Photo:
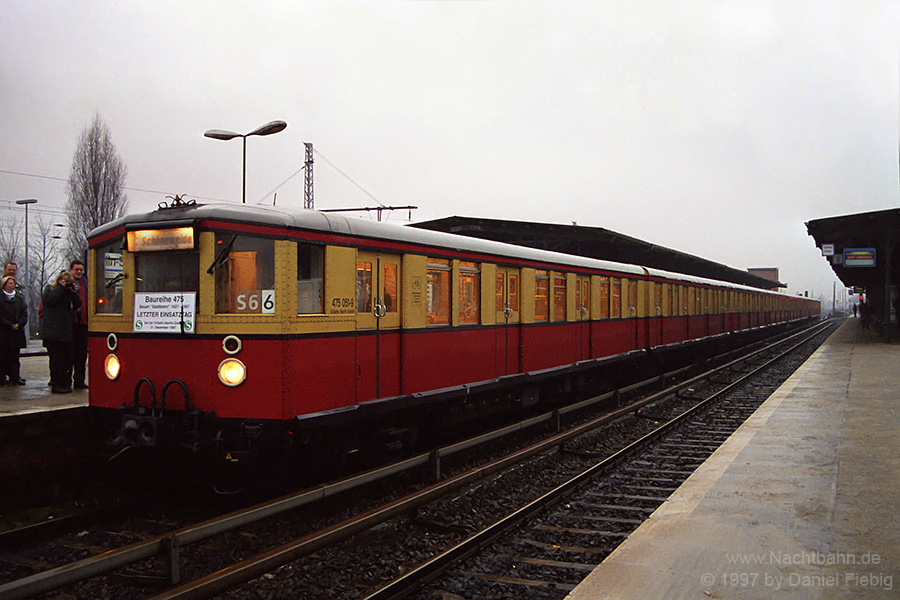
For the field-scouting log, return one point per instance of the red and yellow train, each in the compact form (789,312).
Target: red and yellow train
(223,326)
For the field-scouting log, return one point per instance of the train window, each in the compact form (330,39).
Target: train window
(604,297)
(583,297)
(507,298)
(245,274)
(438,292)
(389,285)
(559,297)
(167,272)
(632,297)
(310,263)
(363,286)
(615,298)
(109,278)
(541,296)
(469,293)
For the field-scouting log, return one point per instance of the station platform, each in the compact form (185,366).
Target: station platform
(35,395)
(802,501)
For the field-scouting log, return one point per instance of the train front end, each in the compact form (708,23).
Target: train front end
(179,356)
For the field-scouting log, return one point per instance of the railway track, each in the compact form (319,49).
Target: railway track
(425,522)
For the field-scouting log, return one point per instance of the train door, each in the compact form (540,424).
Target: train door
(656,314)
(583,317)
(634,330)
(378,325)
(508,335)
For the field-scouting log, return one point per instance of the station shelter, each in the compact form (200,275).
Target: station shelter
(863,249)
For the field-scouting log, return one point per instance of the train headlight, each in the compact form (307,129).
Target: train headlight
(232,372)
(112,366)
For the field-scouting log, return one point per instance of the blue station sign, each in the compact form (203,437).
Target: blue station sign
(859,257)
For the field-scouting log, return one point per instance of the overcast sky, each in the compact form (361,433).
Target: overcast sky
(713,127)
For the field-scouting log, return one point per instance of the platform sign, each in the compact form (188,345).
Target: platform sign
(859,257)
(164,312)
(827,249)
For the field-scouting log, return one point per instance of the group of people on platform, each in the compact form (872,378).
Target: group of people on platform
(64,329)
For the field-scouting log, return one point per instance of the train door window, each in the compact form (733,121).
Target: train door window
(541,296)
(507,295)
(583,298)
(658,298)
(615,297)
(310,267)
(671,299)
(108,267)
(604,297)
(469,293)
(438,292)
(363,286)
(389,285)
(632,297)
(245,274)
(559,297)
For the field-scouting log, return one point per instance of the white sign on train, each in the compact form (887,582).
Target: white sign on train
(165,312)
(112,265)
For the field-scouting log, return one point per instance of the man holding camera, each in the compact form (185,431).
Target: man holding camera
(79,326)
(60,302)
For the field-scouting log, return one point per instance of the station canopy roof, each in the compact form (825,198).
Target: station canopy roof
(878,230)
(595,242)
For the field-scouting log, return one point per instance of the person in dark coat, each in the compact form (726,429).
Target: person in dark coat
(60,301)
(13,317)
(79,326)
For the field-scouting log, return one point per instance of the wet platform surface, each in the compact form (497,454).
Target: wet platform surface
(803,501)
(35,395)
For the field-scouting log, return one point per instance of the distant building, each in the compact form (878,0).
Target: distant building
(770,273)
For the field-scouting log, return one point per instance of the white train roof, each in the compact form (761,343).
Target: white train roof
(334,223)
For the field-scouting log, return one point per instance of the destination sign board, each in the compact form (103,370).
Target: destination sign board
(165,312)
(154,240)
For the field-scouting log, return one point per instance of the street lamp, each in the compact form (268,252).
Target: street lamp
(26,287)
(267,129)
(26,202)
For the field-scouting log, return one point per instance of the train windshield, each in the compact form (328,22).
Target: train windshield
(167,272)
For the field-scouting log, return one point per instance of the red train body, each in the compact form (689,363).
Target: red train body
(306,322)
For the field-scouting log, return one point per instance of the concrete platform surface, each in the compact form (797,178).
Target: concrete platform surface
(35,395)
(803,501)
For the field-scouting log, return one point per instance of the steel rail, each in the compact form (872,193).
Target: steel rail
(427,571)
(256,566)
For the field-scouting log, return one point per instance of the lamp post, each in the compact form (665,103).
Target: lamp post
(267,129)
(27,286)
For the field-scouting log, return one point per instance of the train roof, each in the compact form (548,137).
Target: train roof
(338,224)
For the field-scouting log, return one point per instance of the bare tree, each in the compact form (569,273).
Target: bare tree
(10,238)
(95,186)
(47,260)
